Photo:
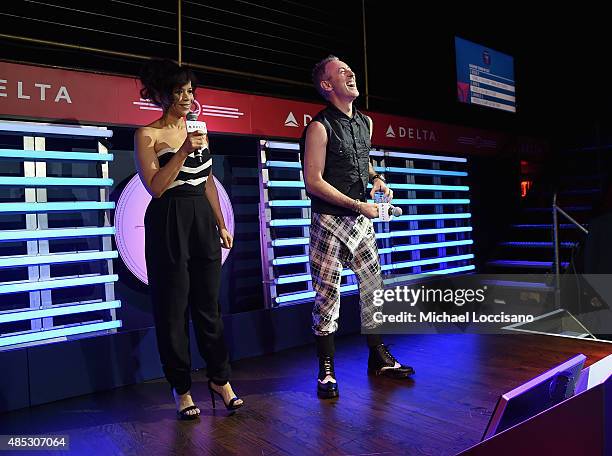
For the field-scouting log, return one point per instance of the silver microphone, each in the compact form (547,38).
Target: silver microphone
(193,124)
(387,210)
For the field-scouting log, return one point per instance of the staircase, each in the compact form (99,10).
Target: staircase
(522,267)
(523,262)
(528,247)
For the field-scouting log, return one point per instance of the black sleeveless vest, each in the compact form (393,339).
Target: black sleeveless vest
(347,157)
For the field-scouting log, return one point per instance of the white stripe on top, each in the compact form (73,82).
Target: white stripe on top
(202,167)
(188,170)
(193,182)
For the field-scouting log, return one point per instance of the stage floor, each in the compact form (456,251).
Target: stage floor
(442,410)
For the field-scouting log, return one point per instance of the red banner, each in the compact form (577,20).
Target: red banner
(39,93)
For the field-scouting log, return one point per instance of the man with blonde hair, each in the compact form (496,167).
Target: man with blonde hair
(337,169)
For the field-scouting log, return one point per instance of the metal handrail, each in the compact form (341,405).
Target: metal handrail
(557,210)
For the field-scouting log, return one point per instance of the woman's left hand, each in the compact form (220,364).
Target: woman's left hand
(227,241)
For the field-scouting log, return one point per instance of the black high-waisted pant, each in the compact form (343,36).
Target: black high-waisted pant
(183,255)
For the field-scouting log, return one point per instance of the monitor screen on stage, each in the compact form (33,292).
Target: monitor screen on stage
(484,76)
(535,396)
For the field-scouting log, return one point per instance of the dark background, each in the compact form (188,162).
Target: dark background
(270,46)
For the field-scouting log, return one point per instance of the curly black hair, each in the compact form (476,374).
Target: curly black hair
(160,77)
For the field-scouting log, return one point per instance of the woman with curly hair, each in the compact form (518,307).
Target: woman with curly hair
(184,233)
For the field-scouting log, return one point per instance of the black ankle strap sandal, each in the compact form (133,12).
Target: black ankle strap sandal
(184,416)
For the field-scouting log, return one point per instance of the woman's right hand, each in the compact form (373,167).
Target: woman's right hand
(194,141)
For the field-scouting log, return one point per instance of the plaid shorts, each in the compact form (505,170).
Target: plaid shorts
(337,242)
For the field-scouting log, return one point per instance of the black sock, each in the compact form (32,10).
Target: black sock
(373,340)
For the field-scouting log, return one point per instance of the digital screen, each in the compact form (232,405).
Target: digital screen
(484,77)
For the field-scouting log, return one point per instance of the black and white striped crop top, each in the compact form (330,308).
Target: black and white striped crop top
(192,176)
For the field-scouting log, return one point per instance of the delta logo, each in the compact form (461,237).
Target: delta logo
(40,91)
(418,134)
(291,120)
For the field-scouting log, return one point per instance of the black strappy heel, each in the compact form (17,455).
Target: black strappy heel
(184,416)
(232,403)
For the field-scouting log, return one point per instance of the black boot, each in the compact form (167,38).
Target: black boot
(329,389)
(325,352)
(382,362)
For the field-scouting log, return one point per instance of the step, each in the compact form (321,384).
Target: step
(536,245)
(566,209)
(546,217)
(524,264)
(542,235)
(536,286)
(579,191)
(529,253)
(543,226)
(583,177)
